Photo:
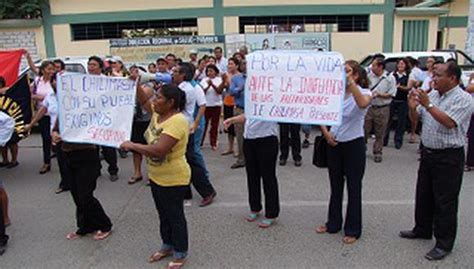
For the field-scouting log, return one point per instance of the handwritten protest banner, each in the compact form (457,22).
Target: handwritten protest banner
(95,109)
(295,86)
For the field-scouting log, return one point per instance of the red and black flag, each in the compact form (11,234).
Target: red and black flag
(10,65)
(17,100)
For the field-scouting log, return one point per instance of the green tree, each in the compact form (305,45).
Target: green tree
(20,9)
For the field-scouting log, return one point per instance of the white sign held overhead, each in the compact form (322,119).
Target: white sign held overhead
(295,86)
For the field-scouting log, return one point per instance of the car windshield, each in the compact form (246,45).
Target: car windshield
(366,61)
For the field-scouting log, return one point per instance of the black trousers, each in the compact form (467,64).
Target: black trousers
(437,192)
(290,136)
(260,163)
(398,109)
(64,170)
(84,166)
(199,177)
(45,128)
(110,156)
(173,226)
(3,237)
(346,162)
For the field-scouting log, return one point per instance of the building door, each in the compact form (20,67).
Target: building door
(415,35)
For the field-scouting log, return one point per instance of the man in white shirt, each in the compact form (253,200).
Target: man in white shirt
(182,76)
(221,62)
(383,87)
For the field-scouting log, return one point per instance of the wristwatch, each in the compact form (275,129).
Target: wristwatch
(429,106)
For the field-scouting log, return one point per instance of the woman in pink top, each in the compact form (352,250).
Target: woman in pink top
(40,88)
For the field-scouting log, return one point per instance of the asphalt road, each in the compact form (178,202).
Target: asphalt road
(219,236)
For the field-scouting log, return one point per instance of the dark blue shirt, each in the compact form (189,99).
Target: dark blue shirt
(236,89)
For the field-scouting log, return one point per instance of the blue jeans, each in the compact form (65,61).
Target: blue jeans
(198,133)
(199,172)
(306,128)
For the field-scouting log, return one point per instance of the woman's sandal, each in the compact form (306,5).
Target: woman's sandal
(134,180)
(266,223)
(158,256)
(99,235)
(45,169)
(321,229)
(73,236)
(348,240)
(227,153)
(252,216)
(176,264)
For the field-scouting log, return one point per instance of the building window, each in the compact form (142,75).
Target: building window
(132,29)
(296,24)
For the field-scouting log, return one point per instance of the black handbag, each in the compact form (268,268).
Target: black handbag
(320,152)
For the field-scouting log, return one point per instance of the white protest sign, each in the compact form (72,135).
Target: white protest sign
(295,86)
(95,109)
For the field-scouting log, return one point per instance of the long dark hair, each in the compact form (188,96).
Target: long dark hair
(407,65)
(172,92)
(358,70)
(213,67)
(43,66)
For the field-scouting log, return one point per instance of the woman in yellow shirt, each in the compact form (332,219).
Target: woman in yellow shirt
(168,171)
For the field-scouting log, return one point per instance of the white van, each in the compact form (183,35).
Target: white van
(391,59)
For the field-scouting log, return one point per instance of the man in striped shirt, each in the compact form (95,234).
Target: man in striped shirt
(445,113)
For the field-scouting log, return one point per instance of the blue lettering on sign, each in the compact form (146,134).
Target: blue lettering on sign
(83,120)
(260,61)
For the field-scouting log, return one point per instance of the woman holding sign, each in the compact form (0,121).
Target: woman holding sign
(346,156)
(260,152)
(168,171)
(83,163)
(40,88)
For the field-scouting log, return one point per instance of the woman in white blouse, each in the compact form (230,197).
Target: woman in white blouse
(261,152)
(346,156)
(213,92)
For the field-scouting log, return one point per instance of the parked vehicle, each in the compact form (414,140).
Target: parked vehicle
(391,59)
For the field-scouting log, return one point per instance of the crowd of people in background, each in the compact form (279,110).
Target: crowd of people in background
(184,105)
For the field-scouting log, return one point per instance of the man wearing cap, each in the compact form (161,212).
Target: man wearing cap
(162,75)
(193,57)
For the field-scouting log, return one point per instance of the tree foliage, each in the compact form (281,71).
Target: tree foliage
(20,9)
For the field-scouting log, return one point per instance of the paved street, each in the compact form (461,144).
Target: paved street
(219,236)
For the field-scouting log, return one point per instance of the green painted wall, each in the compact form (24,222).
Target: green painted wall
(415,35)
(453,22)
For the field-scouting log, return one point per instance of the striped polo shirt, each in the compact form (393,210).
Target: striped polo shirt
(458,105)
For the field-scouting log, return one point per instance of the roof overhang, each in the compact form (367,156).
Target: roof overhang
(432,3)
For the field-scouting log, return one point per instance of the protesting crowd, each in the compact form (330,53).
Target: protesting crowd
(183,105)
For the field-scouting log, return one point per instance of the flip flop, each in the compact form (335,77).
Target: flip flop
(321,229)
(266,223)
(134,180)
(348,240)
(227,153)
(72,236)
(175,264)
(158,256)
(252,216)
(99,235)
